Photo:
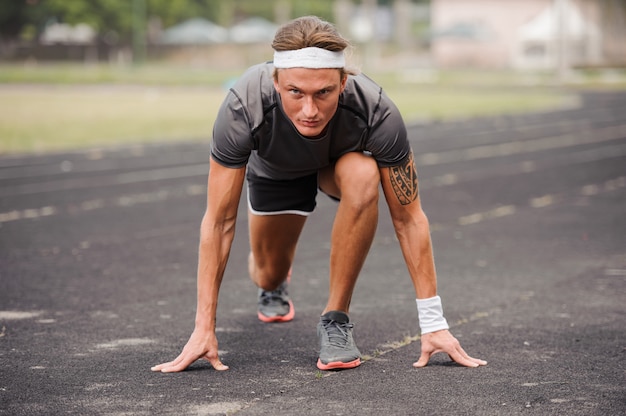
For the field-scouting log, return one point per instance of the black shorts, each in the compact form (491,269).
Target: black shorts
(273,197)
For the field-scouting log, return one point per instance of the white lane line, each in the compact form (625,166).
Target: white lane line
(471,219)
(147,197)
(614,184)
(428,159)
(473,153)
(161,174)
(195,190)
(590,190)
(526,146)
(497,212)
(527,166)
(16,315)
(543,201)
(94,204)
(30,213)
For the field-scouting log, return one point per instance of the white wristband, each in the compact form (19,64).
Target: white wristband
(430,313)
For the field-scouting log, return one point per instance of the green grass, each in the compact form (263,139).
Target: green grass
(449,103)
(60,107)
(44,119)
(86,74)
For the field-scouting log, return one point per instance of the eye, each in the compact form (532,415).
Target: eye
(295,91)
(323,92)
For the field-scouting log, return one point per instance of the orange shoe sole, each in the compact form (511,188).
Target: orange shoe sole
(278,318)
(338,365)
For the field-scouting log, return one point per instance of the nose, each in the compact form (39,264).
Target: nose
(309,108)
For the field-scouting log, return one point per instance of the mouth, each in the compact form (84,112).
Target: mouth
(310,123)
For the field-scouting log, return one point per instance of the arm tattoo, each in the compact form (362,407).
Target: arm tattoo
(404,181)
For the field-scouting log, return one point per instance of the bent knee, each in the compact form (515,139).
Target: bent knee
(268,275)
(358,178)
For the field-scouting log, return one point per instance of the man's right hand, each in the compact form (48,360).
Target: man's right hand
(201,344)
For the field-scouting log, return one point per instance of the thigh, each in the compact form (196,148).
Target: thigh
(277,211)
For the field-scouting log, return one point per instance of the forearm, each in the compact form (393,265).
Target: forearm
(415,242)
(417,249)
(213,253)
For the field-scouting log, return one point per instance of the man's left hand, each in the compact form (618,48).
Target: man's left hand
(443,341)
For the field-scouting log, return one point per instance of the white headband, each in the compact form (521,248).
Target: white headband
(309,58)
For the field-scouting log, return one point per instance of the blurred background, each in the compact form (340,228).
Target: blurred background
(84,73)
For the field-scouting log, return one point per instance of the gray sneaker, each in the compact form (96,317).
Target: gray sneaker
(275,305)
(337,347)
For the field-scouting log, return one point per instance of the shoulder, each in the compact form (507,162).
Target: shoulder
(256,83)
(251,97)
(361,83)
(364,96)
(386,136)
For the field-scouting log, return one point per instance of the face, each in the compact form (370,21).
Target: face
(310,97)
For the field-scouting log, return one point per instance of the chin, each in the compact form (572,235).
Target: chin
(310,132)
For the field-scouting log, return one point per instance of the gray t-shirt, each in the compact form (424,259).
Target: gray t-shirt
(251,128)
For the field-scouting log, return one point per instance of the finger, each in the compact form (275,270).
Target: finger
(423,360)
(479,361)
(174,362)
(179,364)
(217,364)
(467,357)
(160,366)
(461,357)
(175,367)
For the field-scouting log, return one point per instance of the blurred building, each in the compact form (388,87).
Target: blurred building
(253,30)
(199,31)
(81,34)
(526,34)
(196,31)
(200,42)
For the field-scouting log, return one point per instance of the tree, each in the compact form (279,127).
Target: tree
(15,15)
(116,16)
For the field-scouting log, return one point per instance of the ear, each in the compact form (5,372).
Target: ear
(276,86)
(344,81)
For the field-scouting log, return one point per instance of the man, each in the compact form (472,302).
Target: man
(290,127)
